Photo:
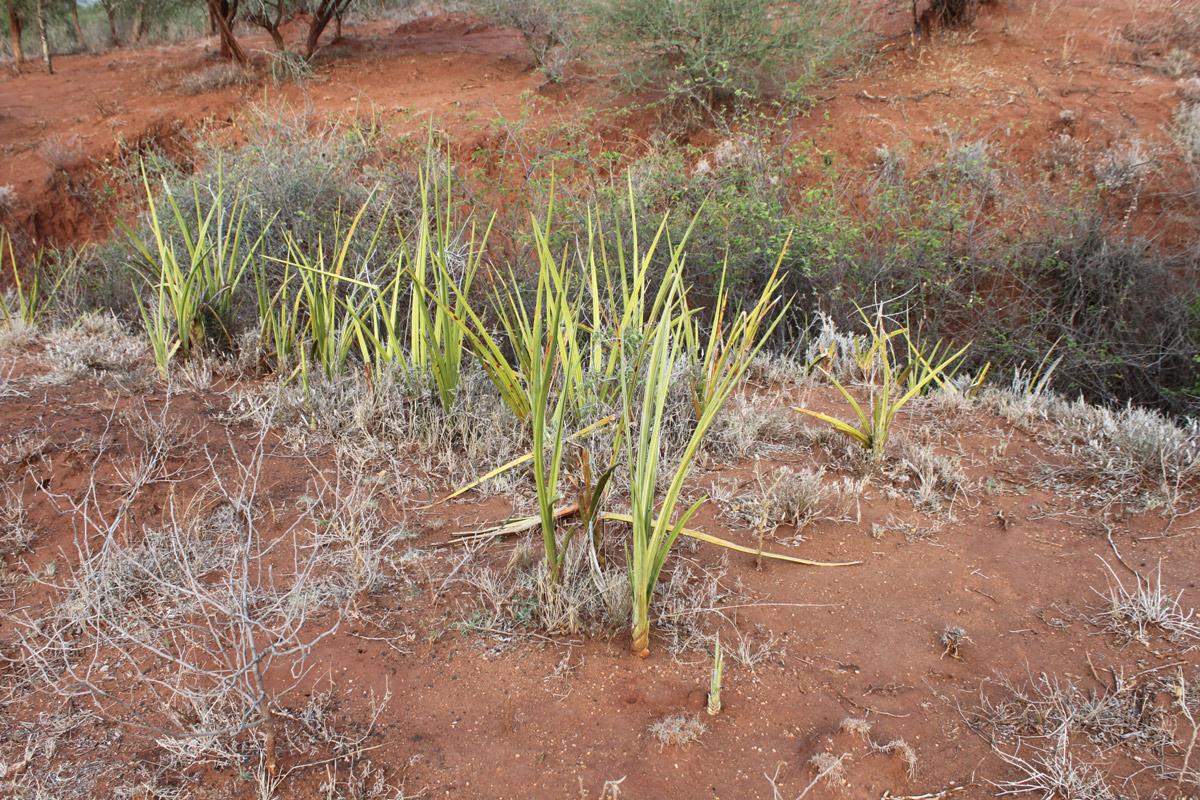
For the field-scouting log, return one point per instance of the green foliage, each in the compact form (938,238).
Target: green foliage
(889,394)
(193,265)
(717,49)
(653,532)
(714,682)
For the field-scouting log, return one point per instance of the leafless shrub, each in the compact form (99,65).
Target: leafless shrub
(688,600)
(1185,129)
(678,730)
(549,27)
(1123,167)
(892,164)
(1134,612)
(1064,152)
(288,66)
(8,198)
(61,155)
(187,635)
(973,164)
(1056,773)
(24,449)
(351,536)
(1047,706)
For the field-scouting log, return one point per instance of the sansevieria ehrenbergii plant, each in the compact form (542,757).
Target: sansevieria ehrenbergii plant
(714,681)
(887,396)
(194,267)
(655,534)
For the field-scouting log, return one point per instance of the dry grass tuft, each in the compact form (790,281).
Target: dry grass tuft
(95,345)
(215,77)
(677,730)
(1133,613)
(858,727)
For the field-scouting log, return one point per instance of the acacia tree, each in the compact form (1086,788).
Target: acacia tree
(15,25)
(222,14)
(321,17)
(73,6)
(41,21)
(268,15)
(110,11)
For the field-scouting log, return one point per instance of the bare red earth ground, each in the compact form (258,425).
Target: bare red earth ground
(1025,74)
(478,716)
(474,714)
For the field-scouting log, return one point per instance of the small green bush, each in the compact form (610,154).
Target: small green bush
(713,50)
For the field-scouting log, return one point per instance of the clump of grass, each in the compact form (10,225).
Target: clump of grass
(216,77)
(857,727)
(935,475)
(794,497)
(677,730)
(95,345)
(828,768)
(745,427)
(1134,612)
(1129,449)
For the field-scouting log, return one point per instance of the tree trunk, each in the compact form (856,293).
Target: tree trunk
(78,28)
(139,18)
(41,21)
(14,28)
(325,12)
(110,10)
(223,14)
(271,24)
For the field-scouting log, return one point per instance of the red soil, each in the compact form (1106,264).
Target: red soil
(475,715)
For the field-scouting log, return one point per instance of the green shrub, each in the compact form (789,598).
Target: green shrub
(716,49)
